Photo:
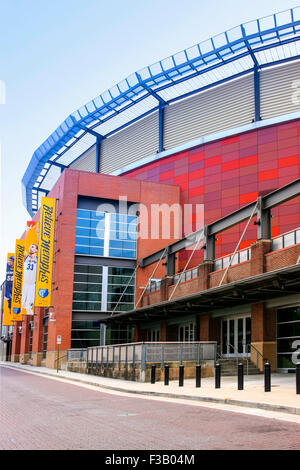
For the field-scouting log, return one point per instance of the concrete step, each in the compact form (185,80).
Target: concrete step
(229,367)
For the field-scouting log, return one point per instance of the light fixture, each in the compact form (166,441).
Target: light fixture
(51,314)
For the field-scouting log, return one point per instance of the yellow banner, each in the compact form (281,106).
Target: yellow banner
(16,303)
(7,321)
(45,253)
(30,268)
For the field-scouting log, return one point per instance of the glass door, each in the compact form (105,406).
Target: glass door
(236,334)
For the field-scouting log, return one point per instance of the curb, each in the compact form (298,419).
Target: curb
(224,401)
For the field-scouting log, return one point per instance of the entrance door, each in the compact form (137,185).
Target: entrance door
(236,334)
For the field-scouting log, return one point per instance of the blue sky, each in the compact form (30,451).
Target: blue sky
(56,56)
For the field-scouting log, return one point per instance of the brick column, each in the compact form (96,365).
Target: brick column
(204,269)
(37,338)
(136,334)
(204,327)
(166,282)
(24,355)
(16,342)
(62,287)
(258,259)
(263,335)
(163,330)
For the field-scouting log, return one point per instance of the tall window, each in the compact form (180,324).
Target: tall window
(105,234)
(45,335)
(101,285)
(186,332)
(288,334)
(103,288)
(85,334)
(87,290)
(117,296)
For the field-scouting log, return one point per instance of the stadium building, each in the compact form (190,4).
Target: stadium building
(215,126)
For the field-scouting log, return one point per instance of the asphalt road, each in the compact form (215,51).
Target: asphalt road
(41,413)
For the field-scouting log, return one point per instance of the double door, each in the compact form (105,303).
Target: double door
(236,334)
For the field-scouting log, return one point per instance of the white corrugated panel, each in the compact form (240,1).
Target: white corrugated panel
(129,145)
(224,107)
(87,161)
(280,90)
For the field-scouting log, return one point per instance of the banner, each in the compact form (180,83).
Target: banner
(7,320)
(45,253)
(30,268)
(16,303)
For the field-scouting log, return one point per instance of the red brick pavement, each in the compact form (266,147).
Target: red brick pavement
(40,413)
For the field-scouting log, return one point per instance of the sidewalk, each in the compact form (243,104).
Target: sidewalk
(282,398)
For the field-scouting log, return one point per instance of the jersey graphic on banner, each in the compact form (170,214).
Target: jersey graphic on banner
(30,268)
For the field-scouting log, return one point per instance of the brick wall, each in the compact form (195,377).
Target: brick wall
(281,258)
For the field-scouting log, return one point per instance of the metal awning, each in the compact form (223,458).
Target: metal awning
(243,49)
(260,288)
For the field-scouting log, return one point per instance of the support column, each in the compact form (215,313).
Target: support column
(258,259)
(204,269)
(136,334)
(263,335)
(257,93)
(170,264)
(204,327)
(37,337)
(98,153)
(16,342)
(209,245)
(161,118)
(263,221)
(24,348)
(163,331)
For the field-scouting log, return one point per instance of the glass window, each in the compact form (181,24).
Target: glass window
(186,332)
(288,332)
(45,336)
(85,334)
(118,278)
(87,288)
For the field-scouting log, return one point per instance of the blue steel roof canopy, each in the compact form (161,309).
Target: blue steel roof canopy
(233,53)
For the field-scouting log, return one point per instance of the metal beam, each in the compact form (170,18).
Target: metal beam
(257,93)
(98,153)
(266,203)
(161,119)
(263,221)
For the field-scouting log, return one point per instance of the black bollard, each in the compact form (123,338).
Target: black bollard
(218,376)
(167,375)
(267,377)
(153,374)
(181,375)
(241,376)
(198,375)
(298,378)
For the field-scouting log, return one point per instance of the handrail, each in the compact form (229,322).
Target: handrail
(60,357)
(258,353)
(239,354)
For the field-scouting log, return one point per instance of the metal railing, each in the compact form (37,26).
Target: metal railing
(281,241)
(154,285)
(250,346)
(286,239)
(79,355)
(186,276)
(143,353)
(240,257)
(239,356)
